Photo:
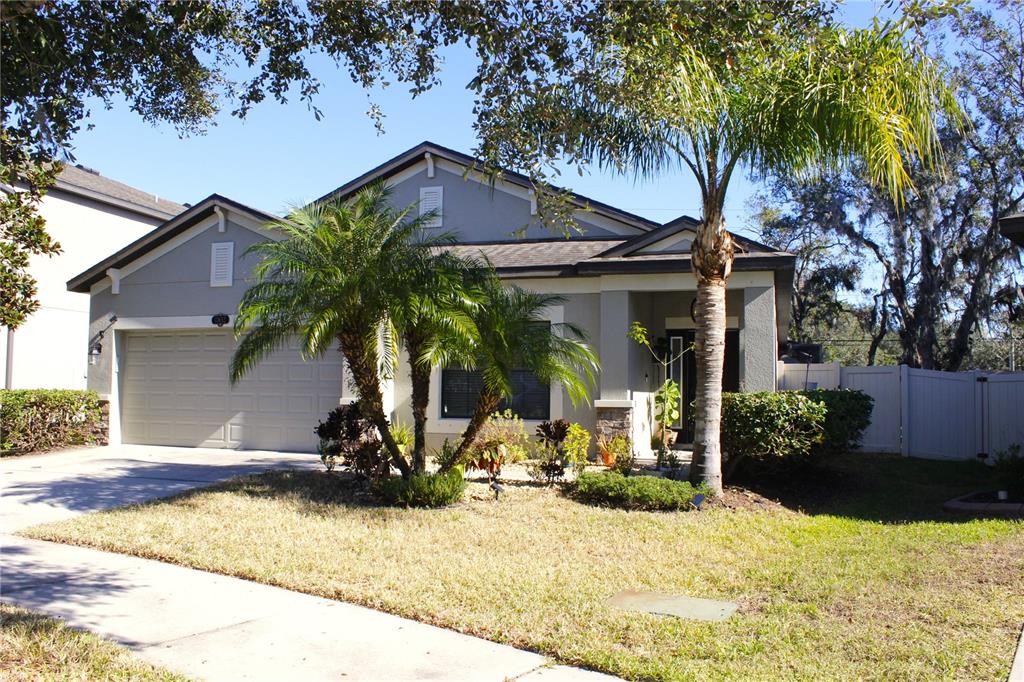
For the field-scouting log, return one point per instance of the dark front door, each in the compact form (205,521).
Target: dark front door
(684,371)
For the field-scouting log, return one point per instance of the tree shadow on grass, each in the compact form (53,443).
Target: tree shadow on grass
(874,487)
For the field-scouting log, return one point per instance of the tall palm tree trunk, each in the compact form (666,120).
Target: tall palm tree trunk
(371,397)
(486,404)
(712,261)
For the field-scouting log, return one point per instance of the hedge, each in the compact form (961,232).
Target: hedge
(42,419)
(649,493)
(770,426)
(422,490)
(847,416)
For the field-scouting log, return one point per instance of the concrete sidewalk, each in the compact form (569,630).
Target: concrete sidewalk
(209,626)
(213,627)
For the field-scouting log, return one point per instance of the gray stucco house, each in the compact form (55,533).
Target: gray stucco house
(163,362)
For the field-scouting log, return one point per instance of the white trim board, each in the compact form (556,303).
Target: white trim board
(180,322)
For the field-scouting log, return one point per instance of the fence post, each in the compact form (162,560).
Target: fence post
(980,416)
(904,410)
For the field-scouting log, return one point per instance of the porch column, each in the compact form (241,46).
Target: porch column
(615,321)
(758,341)
(614,408)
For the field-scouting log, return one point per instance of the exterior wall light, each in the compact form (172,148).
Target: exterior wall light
(220,319)
(95,345)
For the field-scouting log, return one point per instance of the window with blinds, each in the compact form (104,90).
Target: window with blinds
(222,258)
(432,201)
(531,397)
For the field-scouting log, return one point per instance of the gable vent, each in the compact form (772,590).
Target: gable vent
(222,257)
(432,199)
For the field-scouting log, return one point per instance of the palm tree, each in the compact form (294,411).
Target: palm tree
(434,308)
(751,85)
(342,267)
(512,333)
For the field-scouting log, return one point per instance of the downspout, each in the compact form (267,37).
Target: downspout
(9,369)
(221,225)
(430,164)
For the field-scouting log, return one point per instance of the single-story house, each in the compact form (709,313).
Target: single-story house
(90,215)
(174,292)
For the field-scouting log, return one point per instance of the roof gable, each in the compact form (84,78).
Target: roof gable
(430,153)
(162,234)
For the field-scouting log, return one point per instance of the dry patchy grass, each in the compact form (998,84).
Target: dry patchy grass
(882,587)
(35,647)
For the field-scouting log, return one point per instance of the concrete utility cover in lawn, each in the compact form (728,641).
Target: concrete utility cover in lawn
(662,604)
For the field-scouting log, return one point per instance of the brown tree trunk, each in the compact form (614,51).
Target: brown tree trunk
(419,374)
(712,263)
(486,403)
(366,376)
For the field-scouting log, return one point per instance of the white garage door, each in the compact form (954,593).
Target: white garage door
(175,391)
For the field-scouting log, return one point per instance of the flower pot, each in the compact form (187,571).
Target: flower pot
(607,457)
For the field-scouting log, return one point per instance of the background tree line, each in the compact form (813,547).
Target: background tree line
(931,284)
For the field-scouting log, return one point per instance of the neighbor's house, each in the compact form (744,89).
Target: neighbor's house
(176,290)
(90,216)
(1012,227)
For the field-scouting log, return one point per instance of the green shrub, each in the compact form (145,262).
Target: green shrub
(772,427)
(634,492)
(1008,468)
(422,490)
(43,419)
(576,447)
(349,438)
(847,415)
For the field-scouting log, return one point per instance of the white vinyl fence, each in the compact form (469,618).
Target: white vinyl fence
(925,413)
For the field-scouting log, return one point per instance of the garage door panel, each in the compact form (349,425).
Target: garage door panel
(174,391)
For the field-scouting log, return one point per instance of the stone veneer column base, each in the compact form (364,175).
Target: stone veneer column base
(614,420)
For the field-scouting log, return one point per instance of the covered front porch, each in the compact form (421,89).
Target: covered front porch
(630,376)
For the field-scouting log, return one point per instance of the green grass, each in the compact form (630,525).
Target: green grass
(870,581)
(35,647)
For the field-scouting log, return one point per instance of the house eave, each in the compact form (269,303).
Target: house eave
(160,234)
(1012,227)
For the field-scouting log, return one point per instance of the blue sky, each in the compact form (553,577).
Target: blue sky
(280,155)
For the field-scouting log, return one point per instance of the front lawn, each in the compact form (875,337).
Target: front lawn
(35,647)
(869,581)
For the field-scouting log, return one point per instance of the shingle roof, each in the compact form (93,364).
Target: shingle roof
(590,256)
(83,182)
(536,253)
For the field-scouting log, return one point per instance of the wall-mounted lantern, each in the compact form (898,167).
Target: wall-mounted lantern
(220,319)
(95,345)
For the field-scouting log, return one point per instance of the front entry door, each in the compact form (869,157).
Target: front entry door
(684,372)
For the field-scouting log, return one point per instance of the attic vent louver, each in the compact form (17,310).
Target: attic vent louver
(222,256)
(432,199)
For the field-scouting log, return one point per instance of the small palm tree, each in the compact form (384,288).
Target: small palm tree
(342,267)
(510,333)
(434,308)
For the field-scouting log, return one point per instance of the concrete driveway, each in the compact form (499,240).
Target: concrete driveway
(50,487)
